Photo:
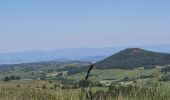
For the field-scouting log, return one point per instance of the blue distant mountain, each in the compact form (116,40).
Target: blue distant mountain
(69,54)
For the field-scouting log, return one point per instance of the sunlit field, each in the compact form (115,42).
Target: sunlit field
(154,91)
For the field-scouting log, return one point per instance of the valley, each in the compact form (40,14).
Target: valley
(68,77)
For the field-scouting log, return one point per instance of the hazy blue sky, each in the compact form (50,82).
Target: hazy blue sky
(51,24)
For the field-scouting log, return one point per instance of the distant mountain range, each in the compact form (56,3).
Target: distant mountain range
(69,54)
(133,58)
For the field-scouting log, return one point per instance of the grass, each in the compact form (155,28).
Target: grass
(154,91)
(118,74)
(32,94)
(28,90)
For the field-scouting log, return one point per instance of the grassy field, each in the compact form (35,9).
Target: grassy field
(118,74)
(28,90)
(9,91)
(31,88)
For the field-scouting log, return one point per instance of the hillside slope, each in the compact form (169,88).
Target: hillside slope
(133,58)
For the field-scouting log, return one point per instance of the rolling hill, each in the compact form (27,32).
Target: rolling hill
(133,58)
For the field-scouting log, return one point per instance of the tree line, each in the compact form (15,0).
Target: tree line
(12,77)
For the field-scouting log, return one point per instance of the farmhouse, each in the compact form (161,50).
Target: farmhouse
(107,82)
(126,83)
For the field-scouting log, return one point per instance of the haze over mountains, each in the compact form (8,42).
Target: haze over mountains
(69,54)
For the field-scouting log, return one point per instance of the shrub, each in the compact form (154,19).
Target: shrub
(84,83)
(18,85)
(44,86)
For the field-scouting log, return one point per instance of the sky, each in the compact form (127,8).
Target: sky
(53,24)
